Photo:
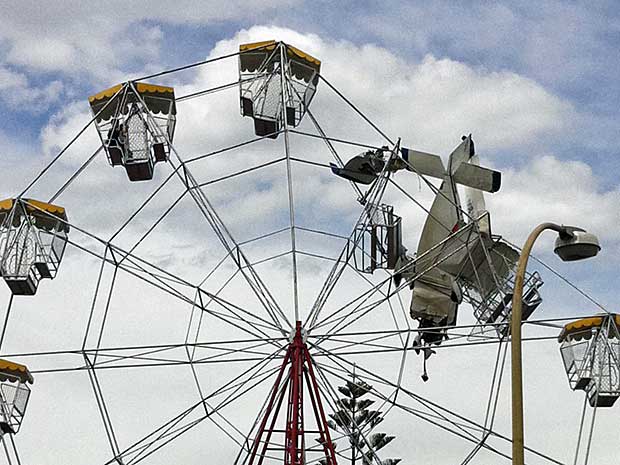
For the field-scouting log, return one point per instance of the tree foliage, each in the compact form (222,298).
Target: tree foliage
(356,421)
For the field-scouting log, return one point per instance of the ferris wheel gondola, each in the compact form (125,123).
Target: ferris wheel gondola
(277,84)
(33,237)
(590,349)
(14,394)
(136,123)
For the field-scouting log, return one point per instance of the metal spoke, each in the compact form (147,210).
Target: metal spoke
(163,435)
(224,235)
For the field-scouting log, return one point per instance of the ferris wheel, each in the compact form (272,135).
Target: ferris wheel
(258,300)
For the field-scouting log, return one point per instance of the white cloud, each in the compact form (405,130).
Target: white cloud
(561,191)
(19,94)
(535,38)
(81,38)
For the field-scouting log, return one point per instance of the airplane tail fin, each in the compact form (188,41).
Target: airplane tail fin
(463,172)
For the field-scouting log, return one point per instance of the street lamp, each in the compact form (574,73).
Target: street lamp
(572,244)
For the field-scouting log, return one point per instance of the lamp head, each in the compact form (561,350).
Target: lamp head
(576,244)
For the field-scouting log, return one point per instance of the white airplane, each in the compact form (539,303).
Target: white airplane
(456,247)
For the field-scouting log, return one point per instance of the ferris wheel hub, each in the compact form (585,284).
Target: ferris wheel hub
(298,333)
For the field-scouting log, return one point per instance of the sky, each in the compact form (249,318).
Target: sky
(535,84)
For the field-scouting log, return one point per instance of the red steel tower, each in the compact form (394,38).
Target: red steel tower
(295,377)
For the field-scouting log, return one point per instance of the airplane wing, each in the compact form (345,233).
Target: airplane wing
(486,273)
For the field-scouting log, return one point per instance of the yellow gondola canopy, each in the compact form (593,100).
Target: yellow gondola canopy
(44,215)
(254,55)
(583,328)
(158,99)
(13,372)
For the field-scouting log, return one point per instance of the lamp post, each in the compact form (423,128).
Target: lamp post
(572,244)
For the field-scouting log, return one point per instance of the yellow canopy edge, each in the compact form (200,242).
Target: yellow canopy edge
(140,87)
(267,44)
(6,205)
(11,370)
(144,87)
(48,207)
(304,55)
(38,209)
(105,93)
(584,323)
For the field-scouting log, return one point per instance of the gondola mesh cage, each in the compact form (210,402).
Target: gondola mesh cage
(19,247)
(265,93)
(13,402)
(591,360)
(138,144)
(377,241)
